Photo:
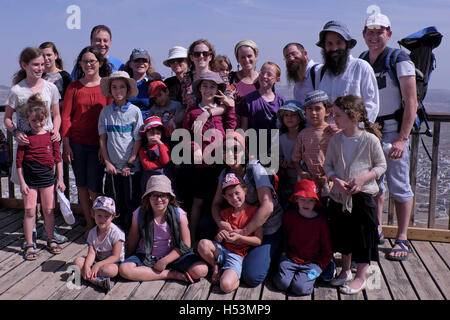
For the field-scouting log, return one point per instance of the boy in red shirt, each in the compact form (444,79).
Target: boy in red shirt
(230,248)
(307,245)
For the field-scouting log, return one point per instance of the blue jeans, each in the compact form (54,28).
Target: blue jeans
(257,263)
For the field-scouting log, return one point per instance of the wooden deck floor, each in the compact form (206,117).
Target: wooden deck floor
(424,276)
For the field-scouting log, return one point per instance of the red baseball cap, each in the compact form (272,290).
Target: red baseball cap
(230,180)
(307,189)
(151,122)
(154,88)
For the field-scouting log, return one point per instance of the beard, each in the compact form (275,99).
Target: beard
(296,69)
(336,64)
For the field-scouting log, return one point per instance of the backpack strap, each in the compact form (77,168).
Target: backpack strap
(390,65)
(312,74)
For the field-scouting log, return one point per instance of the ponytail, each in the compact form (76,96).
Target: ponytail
(371,127)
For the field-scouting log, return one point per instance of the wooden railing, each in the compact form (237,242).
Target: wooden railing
(442,234)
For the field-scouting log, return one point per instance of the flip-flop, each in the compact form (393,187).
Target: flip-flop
(401,244)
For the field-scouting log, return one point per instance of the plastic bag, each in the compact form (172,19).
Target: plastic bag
(65,207)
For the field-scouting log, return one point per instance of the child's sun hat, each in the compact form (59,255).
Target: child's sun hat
(105,84)
(307,189)
(211,76)
(105,203)
(293,106)
(152,122)
(158,183)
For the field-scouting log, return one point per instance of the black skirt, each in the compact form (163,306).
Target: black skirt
(355,232)
(37,175)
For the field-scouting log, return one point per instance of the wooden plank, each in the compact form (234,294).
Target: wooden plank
(217,294)
(292,297)
(246,293)
(435,235)
(398,282)
(92,292)
(122,290)
(437,268)
(40,276)
(198,291)
(16,268)
(444,251)
(172,290)
(377,288)
(148,290)
(54,282)
(325,293)
(420,278)
(269,292)
(13,203)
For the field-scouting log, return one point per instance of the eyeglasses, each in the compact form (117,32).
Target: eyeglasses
(179,61)
(197,54)
(91,62)
(162,196)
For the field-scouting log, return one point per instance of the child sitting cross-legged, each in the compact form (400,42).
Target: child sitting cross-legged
(307,245)
(230,248)
(106,246)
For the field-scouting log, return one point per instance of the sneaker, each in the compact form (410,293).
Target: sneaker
(328,274)
(59,238)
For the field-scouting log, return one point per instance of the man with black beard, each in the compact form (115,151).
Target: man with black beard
(342,74)
(298,68)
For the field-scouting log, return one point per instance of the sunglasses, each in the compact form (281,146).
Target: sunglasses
(179,61)
(197,54)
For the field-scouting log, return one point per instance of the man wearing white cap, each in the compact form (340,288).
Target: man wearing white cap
(343,74)
(393,92)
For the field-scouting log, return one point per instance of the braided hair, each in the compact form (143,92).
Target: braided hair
(355,108)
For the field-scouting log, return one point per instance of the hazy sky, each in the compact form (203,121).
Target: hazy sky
(159,25)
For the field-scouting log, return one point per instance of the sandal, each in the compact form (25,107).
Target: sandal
(56,249)
(30,255)
(103,282)
(403,248)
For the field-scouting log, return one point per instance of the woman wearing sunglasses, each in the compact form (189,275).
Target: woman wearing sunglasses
(177,61)
(260,193)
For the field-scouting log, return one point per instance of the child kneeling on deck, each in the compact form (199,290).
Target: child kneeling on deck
(307,244)
(106,249)
(230,254)
(160,236)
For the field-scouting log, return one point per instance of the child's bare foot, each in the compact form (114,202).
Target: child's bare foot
(186,277)
(215,274)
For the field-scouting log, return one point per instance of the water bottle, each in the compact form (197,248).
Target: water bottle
(386,148)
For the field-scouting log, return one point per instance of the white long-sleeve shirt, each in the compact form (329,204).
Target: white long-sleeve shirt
(358,79)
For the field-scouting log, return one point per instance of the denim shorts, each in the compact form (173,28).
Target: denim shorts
(397,173)
(229,260)
(182,264)
(86,167)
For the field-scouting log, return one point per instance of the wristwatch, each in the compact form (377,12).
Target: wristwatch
(14,131)
(130,165)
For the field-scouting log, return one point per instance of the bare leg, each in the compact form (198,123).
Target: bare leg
(380,203)
(132,272)
(229,281)
(403,210)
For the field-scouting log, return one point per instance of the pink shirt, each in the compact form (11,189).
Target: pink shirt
(163,241)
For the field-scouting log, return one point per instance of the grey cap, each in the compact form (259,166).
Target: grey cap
(314,97)
(339,28)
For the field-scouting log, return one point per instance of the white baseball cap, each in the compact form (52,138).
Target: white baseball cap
(378,20)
